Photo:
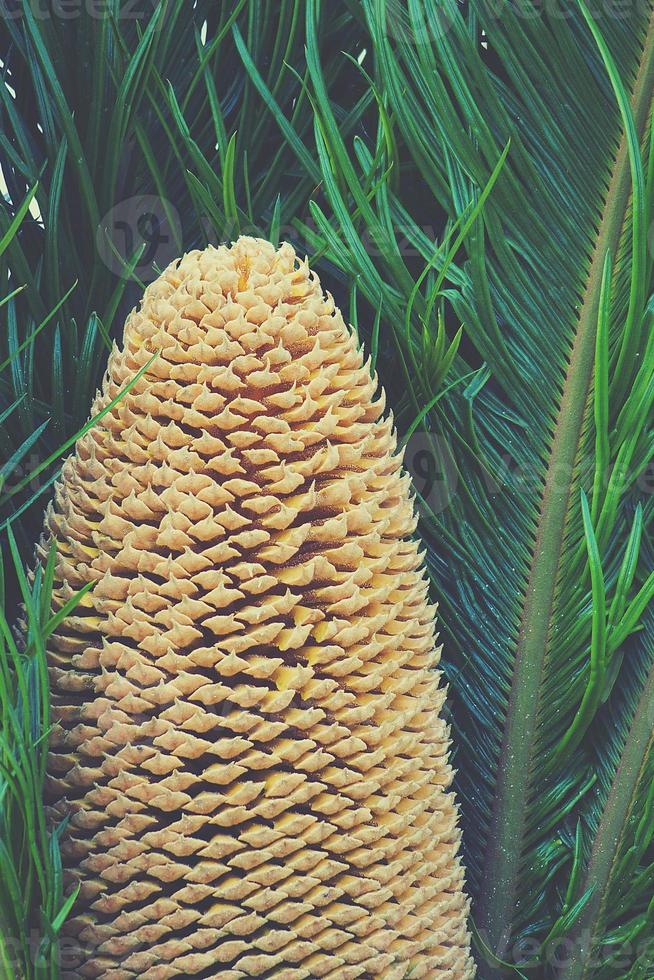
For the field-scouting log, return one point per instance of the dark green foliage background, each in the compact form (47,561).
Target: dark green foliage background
(444,165)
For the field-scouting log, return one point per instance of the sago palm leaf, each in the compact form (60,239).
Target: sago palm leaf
(105,120)
(485,165)
(541,553)
(153,92)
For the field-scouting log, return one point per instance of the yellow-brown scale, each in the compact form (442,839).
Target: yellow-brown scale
(247,729)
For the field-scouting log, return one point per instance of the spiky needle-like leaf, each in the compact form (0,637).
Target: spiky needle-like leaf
(543,602)
(379,158)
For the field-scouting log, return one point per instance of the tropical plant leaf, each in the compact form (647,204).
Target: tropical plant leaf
(479,180)
(110,110)
(551,675)
(102,116)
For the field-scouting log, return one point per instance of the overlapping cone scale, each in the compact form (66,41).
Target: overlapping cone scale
(247,733)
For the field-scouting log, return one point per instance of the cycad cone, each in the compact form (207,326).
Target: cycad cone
(247,715)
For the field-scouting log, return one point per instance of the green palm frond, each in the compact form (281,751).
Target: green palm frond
(96,116)
(33,906)
(32,902)
(140,133)
(481,166)
(544,593)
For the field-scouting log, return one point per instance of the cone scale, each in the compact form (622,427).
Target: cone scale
(247,734)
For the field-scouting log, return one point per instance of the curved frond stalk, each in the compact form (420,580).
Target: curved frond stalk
(499,892)
(610,858)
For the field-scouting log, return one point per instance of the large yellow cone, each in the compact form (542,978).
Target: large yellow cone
(247,713)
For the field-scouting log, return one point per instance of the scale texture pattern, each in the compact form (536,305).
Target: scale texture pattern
(247,730)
